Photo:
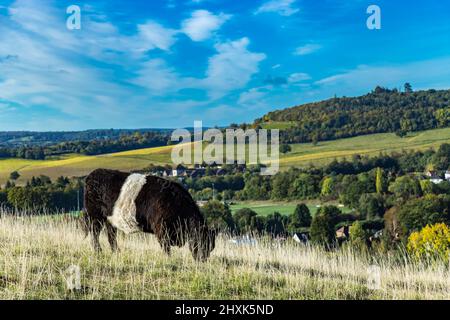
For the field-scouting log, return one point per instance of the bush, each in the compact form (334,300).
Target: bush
(275,224)
(300,219)
(245,220)
(371,205)
(358,235)
(323,226)
(417,213)
(433,241)
(218,216)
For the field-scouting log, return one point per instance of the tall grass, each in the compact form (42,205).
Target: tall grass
(35,253)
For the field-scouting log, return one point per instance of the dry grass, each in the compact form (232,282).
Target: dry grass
(35,252)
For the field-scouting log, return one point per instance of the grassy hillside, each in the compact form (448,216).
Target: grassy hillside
(301,155)
(326,151)
(40,250)
(380,111)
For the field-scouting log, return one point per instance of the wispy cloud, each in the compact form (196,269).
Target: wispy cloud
(307,49)
(282,7)
(423,75)
(232,67)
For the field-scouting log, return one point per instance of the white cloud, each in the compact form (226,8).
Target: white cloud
(252,95)
(202,24)
(158,78)
(154,35)
(86,77)
(231,68)
(307,49)
(298,77)
(282,7)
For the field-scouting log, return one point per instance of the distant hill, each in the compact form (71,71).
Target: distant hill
(381,111)
(31,138)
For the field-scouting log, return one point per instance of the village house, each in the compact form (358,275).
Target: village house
(343,233)
(301,237)
(434,177)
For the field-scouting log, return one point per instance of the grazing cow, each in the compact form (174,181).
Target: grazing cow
(137,202)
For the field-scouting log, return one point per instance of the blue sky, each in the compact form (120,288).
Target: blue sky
(166,63)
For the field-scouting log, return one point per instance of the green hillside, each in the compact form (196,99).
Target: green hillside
(301,155)
(381,111)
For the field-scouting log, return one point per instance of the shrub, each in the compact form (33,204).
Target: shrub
(358,235)
(218,216)
(415,214)
(245,220)
(323,226)
(301,218)
(433,241)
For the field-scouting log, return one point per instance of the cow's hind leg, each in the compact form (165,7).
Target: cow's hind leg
(165,245)
(112,236)
(97,227)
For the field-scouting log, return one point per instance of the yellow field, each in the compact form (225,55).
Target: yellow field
(301,155)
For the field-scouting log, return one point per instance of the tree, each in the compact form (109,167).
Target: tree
(371,206)
(301,218)
(218,216)
(405,187)
(443,117)
(322,229)
(417,213)
(275,224)
(14,175)
(245,221)
(433,241)
(380,183)
(408,88)
(358,235)
(285,148)
(327,187)
(427,187)
(305,186)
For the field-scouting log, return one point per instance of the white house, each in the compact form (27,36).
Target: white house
(447,175)
(436,180)
(300,237)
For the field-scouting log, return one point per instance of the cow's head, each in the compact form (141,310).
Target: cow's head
(204,244)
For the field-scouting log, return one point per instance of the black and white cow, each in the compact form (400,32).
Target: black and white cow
(136,202)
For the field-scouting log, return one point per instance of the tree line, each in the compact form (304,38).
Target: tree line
(133,141)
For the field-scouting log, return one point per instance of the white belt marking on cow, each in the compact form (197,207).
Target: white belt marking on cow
(124,212)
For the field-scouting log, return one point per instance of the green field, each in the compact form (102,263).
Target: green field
(265,208)
(301,155)
(326,151)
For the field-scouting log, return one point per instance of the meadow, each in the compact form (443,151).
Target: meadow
(301,155)
(265,208)
(37,253)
